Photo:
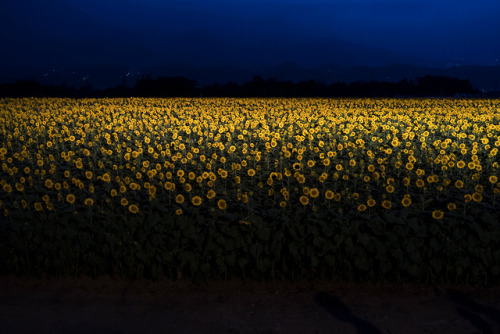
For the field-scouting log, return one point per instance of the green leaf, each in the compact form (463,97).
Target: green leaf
(264,233)
(361,264)
(255,250)
(397,254)
(436,265)
(413,270)
(413,223)
(231,259)
(294,251)
(364,239)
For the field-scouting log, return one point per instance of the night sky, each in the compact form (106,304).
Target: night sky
(138,34)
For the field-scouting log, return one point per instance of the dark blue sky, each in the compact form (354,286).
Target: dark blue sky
(144,33)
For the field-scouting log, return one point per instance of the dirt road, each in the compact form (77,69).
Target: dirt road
(104,305)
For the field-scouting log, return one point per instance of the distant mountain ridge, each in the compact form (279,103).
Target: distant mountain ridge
(485,78)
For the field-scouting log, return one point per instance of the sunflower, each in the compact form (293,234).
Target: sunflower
(329,194)
(362,208)
(178,212)
(88,202)
(38,206)
(124,201)
(437,214)
(222,204)
(244,198)
(387,204)
(70,198)
(314,192)
(133,208)
(49,184)
(493,179)
(179,199)
(196,200)
(477,197)
(451,206)
(169,186)
(106,178)
(7,188)
(406,202)
(211,194)
(301,179)
(371,202)
(459,184)
(304,200)
(306,190)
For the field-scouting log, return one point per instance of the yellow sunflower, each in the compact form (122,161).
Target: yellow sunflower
(196,200)
(222,204)
(437,214)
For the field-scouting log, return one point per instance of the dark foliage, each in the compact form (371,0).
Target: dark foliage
(427,86)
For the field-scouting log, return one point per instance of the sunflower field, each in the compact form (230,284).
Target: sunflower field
(378,189)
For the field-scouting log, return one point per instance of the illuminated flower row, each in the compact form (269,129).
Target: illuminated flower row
(245,156)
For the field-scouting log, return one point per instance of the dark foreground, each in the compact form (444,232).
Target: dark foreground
(104,305)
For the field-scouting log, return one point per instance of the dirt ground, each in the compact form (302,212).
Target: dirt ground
(104,305)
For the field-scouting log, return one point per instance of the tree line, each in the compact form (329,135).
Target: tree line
(426,86)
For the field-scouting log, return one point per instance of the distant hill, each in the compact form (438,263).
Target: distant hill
(485,78)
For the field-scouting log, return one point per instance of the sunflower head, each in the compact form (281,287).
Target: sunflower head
(196,200)
(437,214)
(222,204)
